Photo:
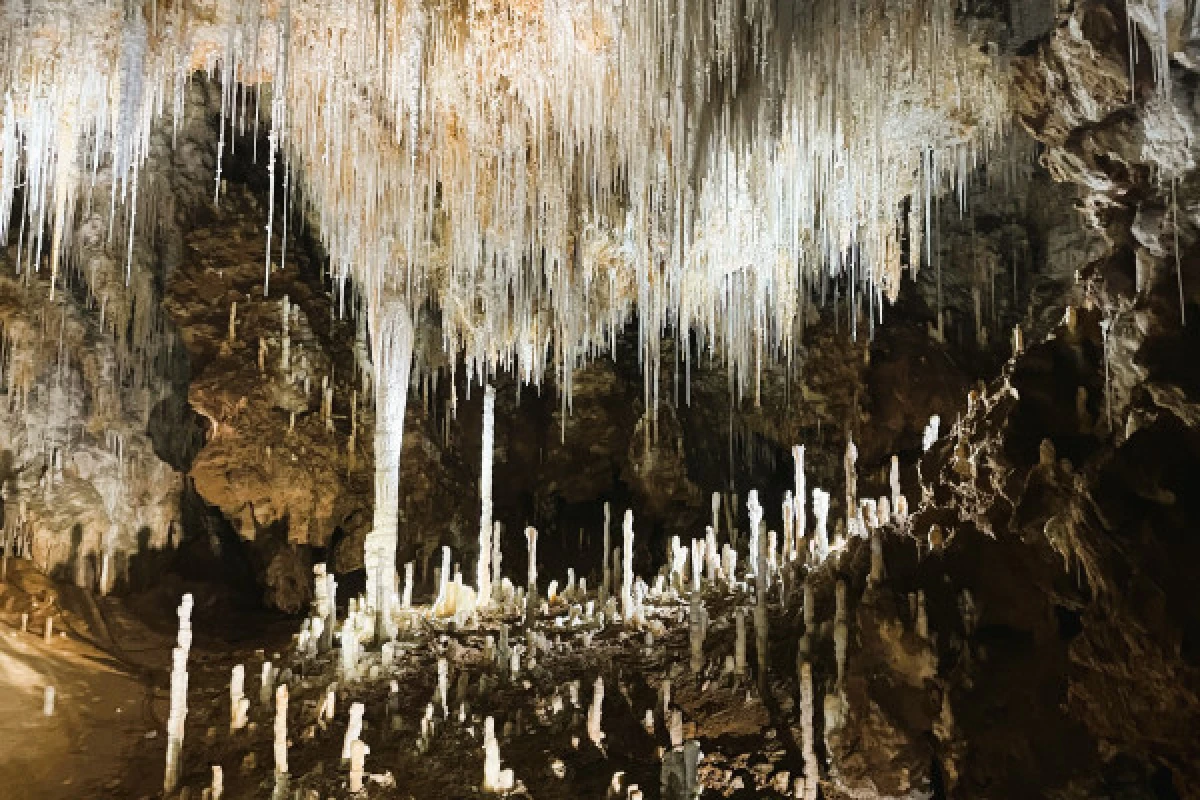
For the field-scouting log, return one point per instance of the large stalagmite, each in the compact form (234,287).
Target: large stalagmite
(392,347)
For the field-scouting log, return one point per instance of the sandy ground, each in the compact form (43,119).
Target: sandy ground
(95,745)
(99,718)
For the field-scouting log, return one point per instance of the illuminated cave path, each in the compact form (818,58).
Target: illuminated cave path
(98,718)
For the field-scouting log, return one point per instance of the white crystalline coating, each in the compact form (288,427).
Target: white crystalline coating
(483,571)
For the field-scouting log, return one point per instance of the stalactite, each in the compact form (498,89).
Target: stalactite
(382,161)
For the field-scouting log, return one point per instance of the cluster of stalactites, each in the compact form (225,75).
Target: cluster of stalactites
(538,172)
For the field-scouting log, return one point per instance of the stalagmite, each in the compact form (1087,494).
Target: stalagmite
(238,705)
(324,598)
(358,758)
(606,572)
(849,463)
(729,564)
(799,497)
(627,600)
(739,645)
(761,639)
(495,779)
(894,481)
(841,630)
(930,434)
(531,574)
(812,775)
(281,733)
(178,706)
(353,729)
(820,542)
(48,702)
(712,561)
(443,686)
(697,625)
(789,519)
(595,714)
(441,603)
(716,510)
(483,571)
(48,631)
(770,555)
(678,562)
(266,686)
(285,355)
(216,789)
(875,577)
(754,510)
(406,597)
(391,353)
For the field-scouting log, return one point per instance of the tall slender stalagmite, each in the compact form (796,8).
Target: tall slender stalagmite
(483,569)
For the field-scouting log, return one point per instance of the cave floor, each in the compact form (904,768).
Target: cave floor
(95,744)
